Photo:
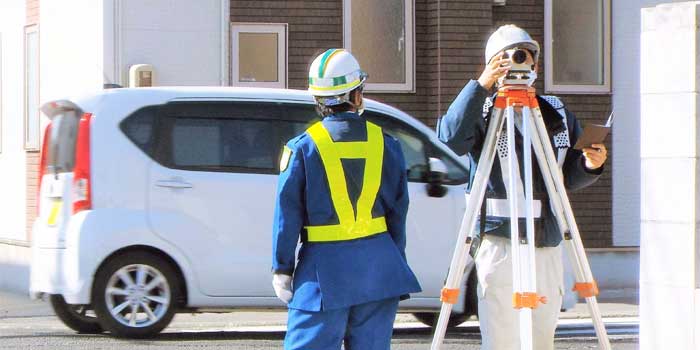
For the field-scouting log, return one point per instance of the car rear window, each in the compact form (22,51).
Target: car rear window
(60,152)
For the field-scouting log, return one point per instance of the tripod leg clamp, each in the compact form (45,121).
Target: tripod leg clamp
(528,300)
(450,296)
(586,289)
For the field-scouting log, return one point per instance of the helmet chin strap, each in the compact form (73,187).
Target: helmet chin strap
(358,108)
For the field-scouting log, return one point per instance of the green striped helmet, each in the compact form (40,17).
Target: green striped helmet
(334,73)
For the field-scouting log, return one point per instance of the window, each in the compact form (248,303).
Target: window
(240,137)
(60,155)
(222,143)
(32,135)
(259,55)
(139,127)
(577,46)
(380,35)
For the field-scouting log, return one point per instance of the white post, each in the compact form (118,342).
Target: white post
(670,191)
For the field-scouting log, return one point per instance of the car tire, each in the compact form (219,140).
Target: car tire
(135,295)
(470,308)
(76,317)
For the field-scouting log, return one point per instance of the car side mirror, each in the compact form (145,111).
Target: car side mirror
(436,178)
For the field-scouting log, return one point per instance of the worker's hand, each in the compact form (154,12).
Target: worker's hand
(595,156)
(283,286)
(494,70)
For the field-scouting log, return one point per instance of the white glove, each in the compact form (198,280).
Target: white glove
(283,286)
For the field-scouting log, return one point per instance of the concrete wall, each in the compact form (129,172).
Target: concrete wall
(670,195)
(12,154)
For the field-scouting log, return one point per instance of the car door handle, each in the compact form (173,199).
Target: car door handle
(173,184)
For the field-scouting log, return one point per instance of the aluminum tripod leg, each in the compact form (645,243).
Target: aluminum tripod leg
(559,200)
(450,292)
(522,246)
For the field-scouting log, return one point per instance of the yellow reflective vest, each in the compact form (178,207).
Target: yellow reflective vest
(352,225)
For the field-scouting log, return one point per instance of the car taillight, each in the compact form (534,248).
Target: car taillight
(82,196)
(42,165)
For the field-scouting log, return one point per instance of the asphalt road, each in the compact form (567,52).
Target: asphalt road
(28,324)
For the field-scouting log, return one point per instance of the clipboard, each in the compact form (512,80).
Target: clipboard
(592,133)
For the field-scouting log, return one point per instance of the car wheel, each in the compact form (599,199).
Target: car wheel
(135,295)
(80,318)
(470,308)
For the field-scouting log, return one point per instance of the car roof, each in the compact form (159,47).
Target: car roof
(139,97)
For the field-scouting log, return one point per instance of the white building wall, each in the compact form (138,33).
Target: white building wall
(626,26)
(12,154)
(670,195)
(626,72)
(71,48)
(185,41)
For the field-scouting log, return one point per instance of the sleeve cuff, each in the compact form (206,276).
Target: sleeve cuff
(596,172)
(287,272)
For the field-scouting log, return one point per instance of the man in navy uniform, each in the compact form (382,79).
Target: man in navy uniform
(463,128)
(343,193)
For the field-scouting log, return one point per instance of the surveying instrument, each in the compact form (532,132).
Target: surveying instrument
(515,91)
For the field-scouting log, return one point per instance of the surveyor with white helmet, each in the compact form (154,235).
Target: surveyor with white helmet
(343,193)
(462,128)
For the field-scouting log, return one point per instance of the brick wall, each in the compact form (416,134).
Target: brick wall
(32,157)
(450,39)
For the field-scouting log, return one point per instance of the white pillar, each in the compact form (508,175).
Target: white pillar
(670,191)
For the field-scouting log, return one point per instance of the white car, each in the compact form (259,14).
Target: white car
(160,200)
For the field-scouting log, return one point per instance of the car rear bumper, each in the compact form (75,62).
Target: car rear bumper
(54,272)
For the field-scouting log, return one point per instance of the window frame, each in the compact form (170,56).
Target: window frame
(28,145)
(410,54)
(281,29)
(549,85)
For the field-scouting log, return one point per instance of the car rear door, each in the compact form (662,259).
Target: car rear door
(56,174)
(212,191)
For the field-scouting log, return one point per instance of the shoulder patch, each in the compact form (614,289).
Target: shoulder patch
(286,155)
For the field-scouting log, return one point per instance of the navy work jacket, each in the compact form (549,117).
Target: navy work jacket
(332,275)
(463,129)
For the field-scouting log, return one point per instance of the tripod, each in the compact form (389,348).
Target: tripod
(535,137)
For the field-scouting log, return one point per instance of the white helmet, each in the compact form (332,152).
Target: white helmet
(509,36)
(333,75)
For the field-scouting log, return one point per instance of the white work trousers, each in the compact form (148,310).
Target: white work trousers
(498,319)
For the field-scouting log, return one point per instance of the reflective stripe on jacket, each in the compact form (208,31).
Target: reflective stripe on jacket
(352,224)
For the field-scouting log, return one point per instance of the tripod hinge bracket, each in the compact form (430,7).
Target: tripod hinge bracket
(528,300)
(586,289)
(449,295)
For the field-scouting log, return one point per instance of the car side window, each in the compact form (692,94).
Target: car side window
(412,145)
(457,170)
(139,128)
(222,143)
(238,137)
